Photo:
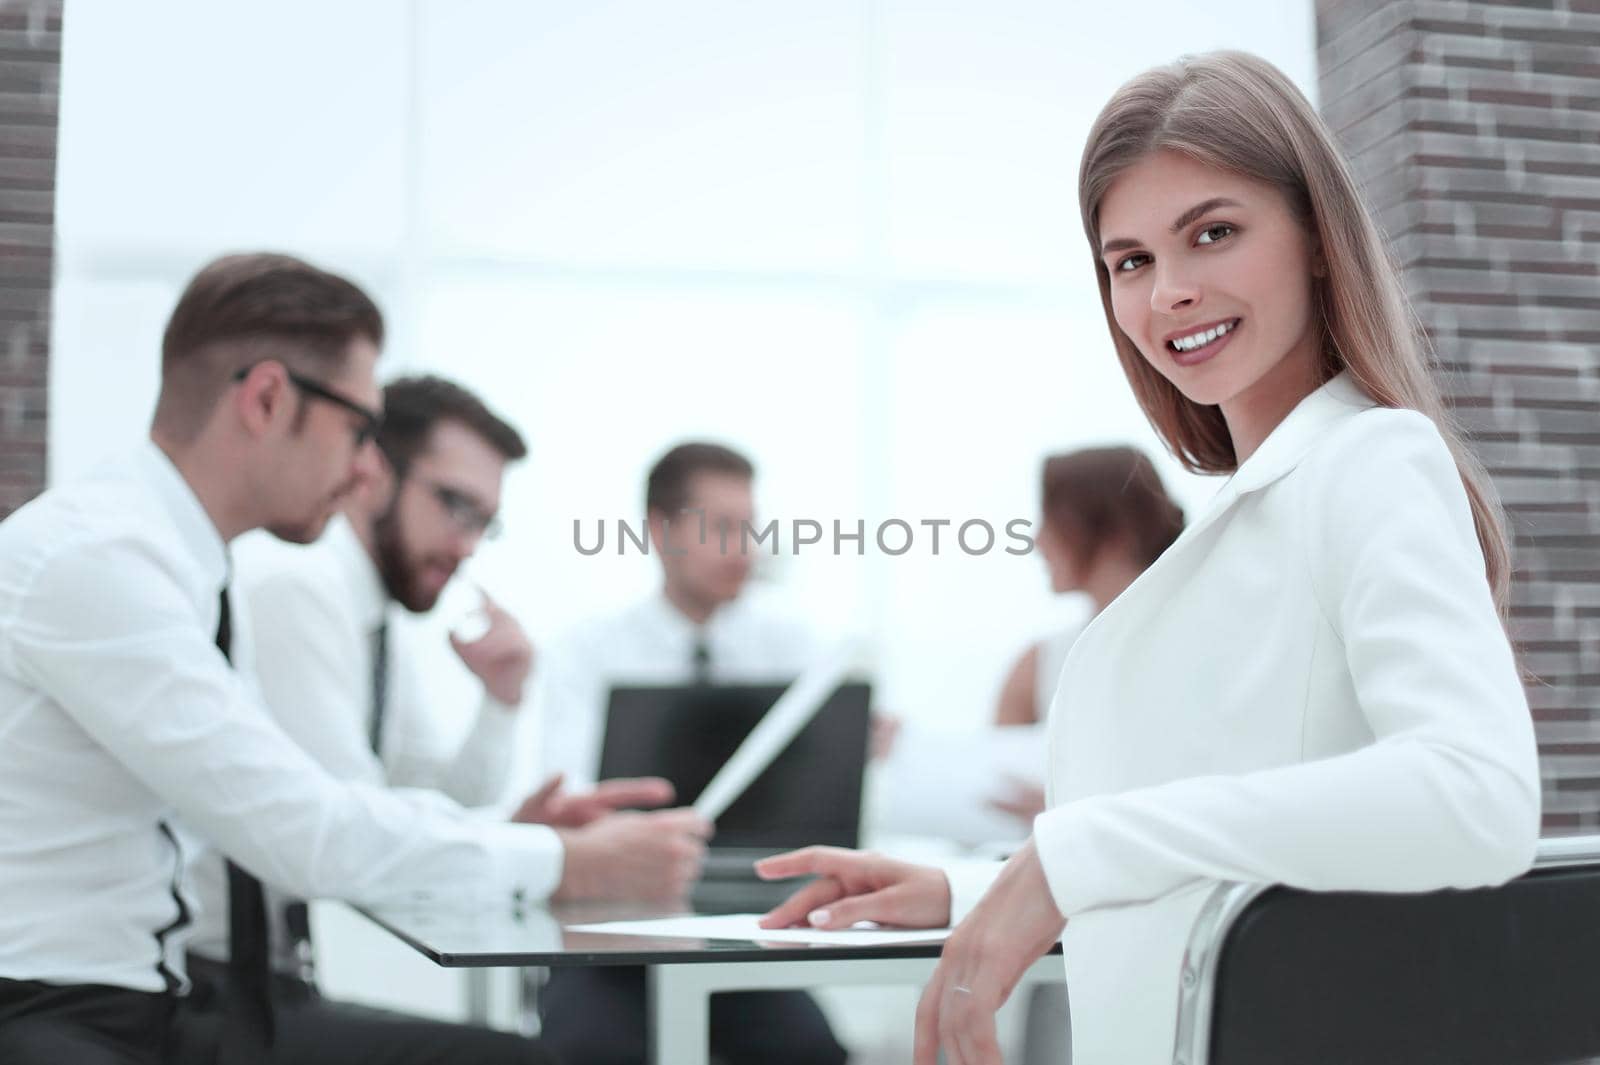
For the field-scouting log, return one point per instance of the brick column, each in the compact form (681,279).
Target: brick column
(30,68)
(1475,128)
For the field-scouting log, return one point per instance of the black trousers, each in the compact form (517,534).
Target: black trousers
(597,1017)
(312,1030)
(90,1024)
(83,1024)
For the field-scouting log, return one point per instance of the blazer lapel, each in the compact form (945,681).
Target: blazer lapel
(1278,454)
(1285,446)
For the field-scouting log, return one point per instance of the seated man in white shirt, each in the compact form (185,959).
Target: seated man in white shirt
(339,672)
(704,625)
(121,709)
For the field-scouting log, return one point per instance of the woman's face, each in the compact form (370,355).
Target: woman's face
(1211,278)
(1060,561)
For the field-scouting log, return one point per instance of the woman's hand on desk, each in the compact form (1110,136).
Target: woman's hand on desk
(554,807)
(986,955)
(856,886)
(633,856)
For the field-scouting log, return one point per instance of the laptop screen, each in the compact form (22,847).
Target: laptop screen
(811,793)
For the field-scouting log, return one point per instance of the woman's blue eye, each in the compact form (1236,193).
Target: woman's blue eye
(1212,234)
(1132,262)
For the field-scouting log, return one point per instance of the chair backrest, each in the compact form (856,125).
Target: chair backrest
(1498,976)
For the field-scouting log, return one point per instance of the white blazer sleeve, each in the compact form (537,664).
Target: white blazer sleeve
(1448,793)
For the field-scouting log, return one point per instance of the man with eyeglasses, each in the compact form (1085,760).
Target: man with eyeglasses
(365,426)
(133,729)
(337,660)
(342,669)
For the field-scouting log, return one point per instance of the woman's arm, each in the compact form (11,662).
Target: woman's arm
(1017,703)
(1447,795)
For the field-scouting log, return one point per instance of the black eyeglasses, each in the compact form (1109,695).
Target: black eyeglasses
(371,420)
(468,516)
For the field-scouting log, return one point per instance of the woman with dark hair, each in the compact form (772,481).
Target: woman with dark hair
(1105,518)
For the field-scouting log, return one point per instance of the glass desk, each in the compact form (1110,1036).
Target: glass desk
(682,974)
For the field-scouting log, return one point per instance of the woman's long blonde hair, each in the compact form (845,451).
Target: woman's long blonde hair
(1237,112)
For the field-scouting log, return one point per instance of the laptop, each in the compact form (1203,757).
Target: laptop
(810,794)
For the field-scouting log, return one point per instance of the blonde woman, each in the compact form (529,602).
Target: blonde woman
(1313,685)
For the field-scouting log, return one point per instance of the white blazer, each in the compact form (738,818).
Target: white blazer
(1310,687)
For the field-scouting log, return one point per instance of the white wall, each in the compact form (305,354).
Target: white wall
(842,235)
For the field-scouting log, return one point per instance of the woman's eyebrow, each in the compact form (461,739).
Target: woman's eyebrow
(1122,243)
(1201,208)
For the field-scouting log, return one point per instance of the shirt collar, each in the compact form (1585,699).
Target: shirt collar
(370,597)
(1289,442)
(201,540)
(660,614)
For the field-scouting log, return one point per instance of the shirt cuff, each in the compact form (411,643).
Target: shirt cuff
(1066,873)
(969,880)
(531,859)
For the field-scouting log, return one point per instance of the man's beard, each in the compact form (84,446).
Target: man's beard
(399,578)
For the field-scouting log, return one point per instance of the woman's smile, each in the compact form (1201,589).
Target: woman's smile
(1190,347)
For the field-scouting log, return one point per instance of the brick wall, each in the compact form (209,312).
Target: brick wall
(30,66)
(1476,130)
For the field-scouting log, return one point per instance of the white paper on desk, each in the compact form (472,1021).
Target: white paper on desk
(777,728)
(746,926)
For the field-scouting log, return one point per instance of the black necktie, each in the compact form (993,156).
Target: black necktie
(247,1028)
(296,916)
(380,684)
(700,664)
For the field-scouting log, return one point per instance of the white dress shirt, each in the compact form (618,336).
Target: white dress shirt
(314,614)
(117,711)
(748,641)
(1310,687)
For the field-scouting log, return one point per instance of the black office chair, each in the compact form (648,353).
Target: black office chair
(1501,976)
